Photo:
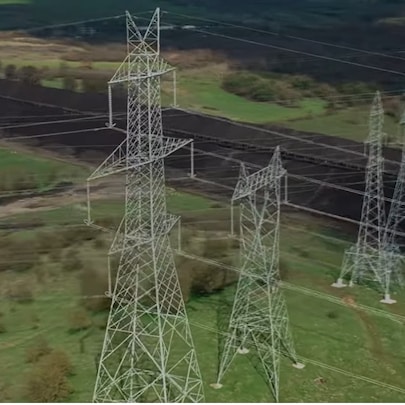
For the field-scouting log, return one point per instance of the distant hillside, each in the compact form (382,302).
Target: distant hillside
(275,13)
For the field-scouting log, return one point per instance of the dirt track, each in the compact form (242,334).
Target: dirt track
(219,145)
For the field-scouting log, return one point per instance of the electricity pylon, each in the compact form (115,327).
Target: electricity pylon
(363,260)
(259,319)
(391,258)
(148,353)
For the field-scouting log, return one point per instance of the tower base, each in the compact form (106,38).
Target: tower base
(339,283)
(216,386)
(388,300)
(242,350)
(298,366)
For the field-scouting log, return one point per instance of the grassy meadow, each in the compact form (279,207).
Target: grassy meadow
(346,338)
(349,123)
(26,171)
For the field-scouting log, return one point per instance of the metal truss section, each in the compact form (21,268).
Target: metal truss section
(364,261)
(248,185)
(259,320)
(149,150)
(119,245)
(148,354)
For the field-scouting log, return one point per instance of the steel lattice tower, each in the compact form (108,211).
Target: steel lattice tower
(148,353)
(391,258)
(363,260)
(259,319)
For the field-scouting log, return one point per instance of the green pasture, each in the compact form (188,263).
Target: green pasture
(28,171)
(203,92)
(350,123)
(55,64)
(325,334)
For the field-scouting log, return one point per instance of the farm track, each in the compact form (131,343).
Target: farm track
(220,144)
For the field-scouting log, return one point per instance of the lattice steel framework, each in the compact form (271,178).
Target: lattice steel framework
(259,319)
(148,353)
(363,260)
(391,258)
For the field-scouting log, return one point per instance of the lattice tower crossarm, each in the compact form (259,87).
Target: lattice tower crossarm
(363,260)
(148,354)
(259,320)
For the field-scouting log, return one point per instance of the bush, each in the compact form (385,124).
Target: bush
(3,328)
(302,82)
(30,75)
(69,83)
(94,85)
(10,72)
(332,315)
(39,349)
(392,107)
(216,248)
(71,260)
(47,381)
(184,269)
(79,320)
(21,291)
(94,281)
(58,360)
(207,279)
(26,258)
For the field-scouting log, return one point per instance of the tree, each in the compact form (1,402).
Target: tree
(10,72)
(30,75)
(69,83)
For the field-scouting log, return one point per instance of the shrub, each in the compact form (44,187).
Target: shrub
(3,328)
(99,243)
(332,315)
(30,75)
(392,107)
(207,279)
(216,248)
(302,82)
(71,260)
(79,320)
(39,349)
(94,281)
(10,72)
(47,381)
(69,83)
(94,84)
(21,291)
(58,360)
(184,272)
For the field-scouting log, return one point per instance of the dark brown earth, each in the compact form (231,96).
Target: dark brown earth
(219,144)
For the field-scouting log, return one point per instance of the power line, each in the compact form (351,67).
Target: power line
(282,35)
(329,58)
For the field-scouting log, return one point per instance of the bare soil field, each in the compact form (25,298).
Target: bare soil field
(219,145)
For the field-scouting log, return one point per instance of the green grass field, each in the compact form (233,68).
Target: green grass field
(23,170)
(350,123)
(201,91)
(345,338)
